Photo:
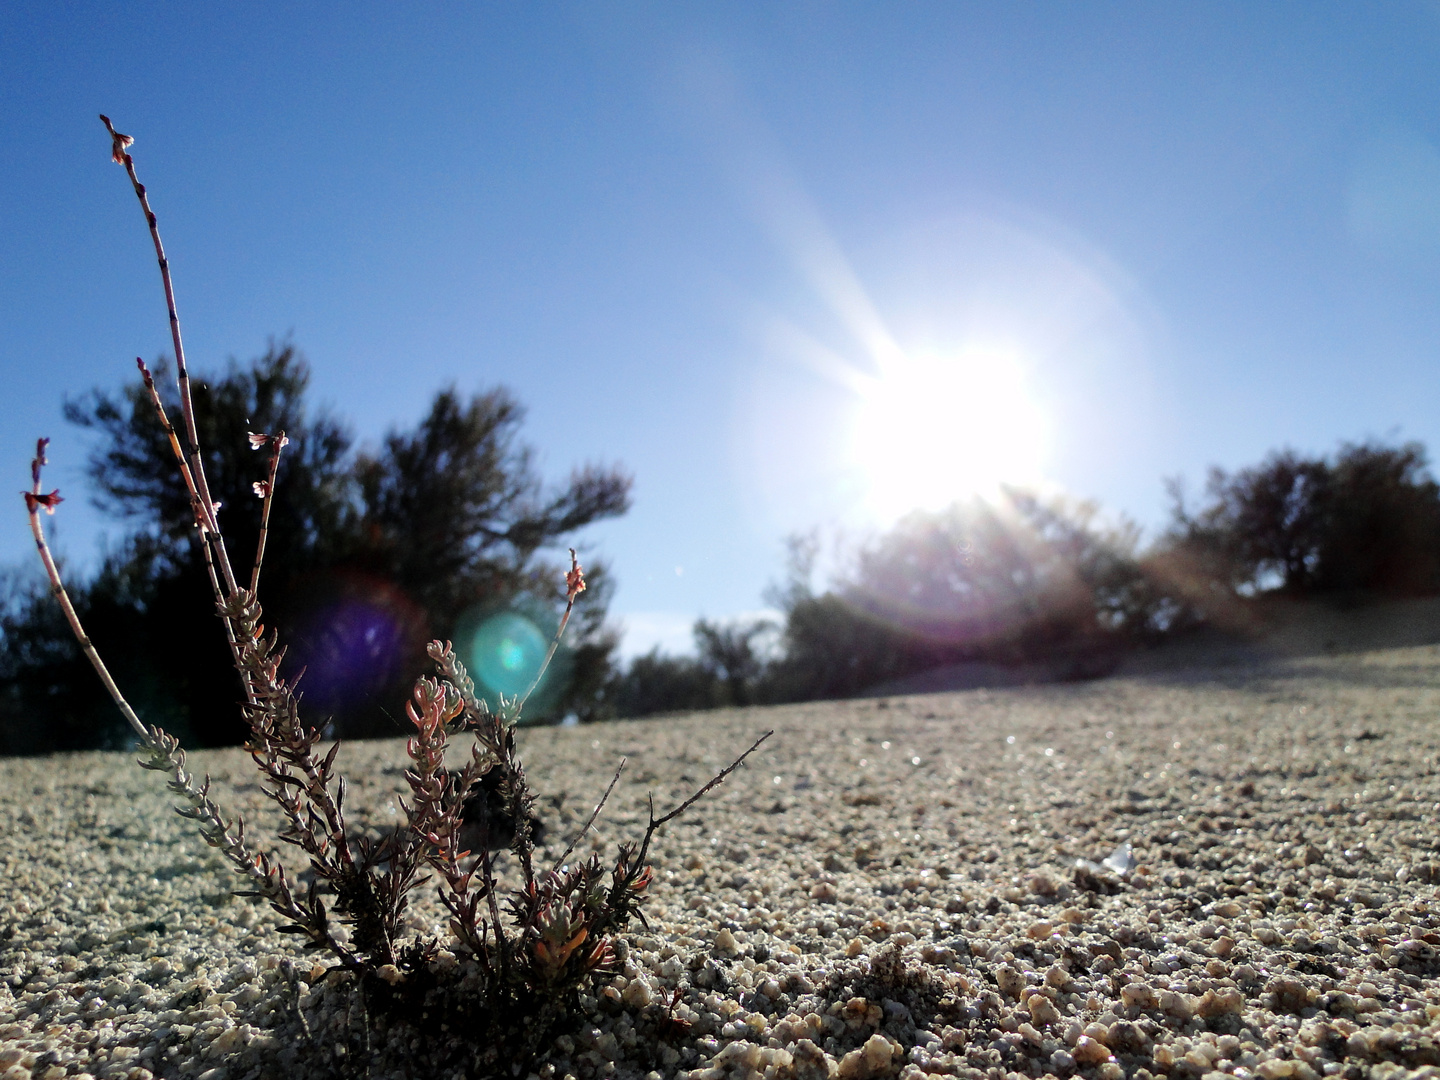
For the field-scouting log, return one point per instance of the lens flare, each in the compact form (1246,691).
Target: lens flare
(507,652)
(354,638)
(503,646)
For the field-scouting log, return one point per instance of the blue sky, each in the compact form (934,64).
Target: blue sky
(794,266)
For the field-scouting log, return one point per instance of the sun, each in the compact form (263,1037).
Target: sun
(976,352)
(934,427)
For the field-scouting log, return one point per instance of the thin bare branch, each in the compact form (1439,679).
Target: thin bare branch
(266,489)
(159,406)
(593,815)
(120,152)
(195,507)
(502,941)
(714,782)
(574,586)
(35,501)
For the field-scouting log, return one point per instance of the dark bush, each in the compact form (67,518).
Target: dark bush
(729,668)
(369,556)
(657,683)
(1366,521)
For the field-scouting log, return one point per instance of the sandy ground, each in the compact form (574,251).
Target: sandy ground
(891,890)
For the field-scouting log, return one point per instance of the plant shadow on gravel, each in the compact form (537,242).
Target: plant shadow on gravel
(511,977)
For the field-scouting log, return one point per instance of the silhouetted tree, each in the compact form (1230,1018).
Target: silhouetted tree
(729,668)
(368,557)
(49,696)
(133,468)
(730,653)
(455,516)
(1260,528)
(657,683)
(1365,522)
(1383,523)
(1112,587)
(834,648)
(314,526)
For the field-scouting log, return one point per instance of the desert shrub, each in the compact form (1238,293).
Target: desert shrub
(1363,521)
(521,965)
(1017,580)
(731,666)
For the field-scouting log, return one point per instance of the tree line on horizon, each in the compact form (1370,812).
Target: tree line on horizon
(374,552)
(1025,580)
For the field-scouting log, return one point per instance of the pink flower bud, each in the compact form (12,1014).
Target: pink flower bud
(118,143)
(34,502)
(574,578)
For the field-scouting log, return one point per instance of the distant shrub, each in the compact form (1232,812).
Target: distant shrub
(657,683)
(1366,520)
(730,668)
(1017,580)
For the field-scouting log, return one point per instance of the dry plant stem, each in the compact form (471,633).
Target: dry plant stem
(282,747)
(267,875)
(593,815)
(502,941)
(715,781)
(489,729)
(58,588)
(195,507)
(182,371)
(438,804)
(571,592)
(276,699)
(277,443)
(170,433)
(556,935)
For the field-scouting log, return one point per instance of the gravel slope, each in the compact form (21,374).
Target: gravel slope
(890,890)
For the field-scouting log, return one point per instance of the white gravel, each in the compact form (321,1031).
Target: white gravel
(890,890)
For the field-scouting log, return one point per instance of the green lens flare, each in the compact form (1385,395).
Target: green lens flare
(506,653)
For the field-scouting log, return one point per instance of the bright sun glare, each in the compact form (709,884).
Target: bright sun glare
(979,353)
(932,428)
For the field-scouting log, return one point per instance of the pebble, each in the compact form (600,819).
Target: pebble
(1088,1051)
(1042,1010)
